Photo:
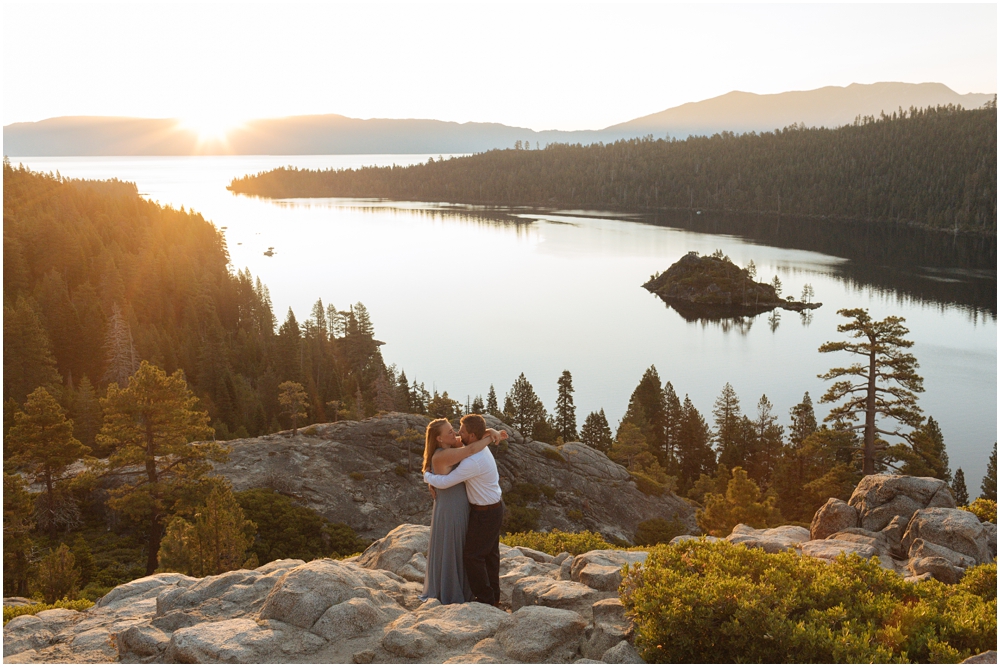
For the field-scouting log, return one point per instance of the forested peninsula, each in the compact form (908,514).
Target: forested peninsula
(933,168)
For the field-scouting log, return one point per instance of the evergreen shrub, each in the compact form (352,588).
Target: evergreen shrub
(553,454)
(520,519)
(557,541)
(984,508)
(658,531)
(14,612)
(702,602)
(648,485)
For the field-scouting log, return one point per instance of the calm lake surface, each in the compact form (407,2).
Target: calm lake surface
(466,298)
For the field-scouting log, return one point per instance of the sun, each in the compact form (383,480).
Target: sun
(210,127)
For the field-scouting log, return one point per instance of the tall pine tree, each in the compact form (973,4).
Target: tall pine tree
(522,408)
(27,355)
(989,485)
(958,488)
(884,383)
(565,410)
(727,428)
(694,447)
(42,441)
(596,432)
(153,424)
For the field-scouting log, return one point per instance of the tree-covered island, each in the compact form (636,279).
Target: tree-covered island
(713,286)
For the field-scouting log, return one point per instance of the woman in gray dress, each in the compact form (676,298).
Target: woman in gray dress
(445,578)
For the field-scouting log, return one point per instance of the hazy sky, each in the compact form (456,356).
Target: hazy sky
(543,66)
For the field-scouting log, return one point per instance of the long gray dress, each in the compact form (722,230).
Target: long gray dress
(445,578)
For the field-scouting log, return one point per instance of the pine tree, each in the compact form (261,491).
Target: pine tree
(522,408)
(694,447)
(803,421)
(419,398)
(647,409)
(926,456)
(86,414)
(672,425)
(727,427)
(959,490)
(17,529)
(120,358)
(885,384)
(288,350)
(596,432)
(42,441)
(491,403)
(766,443)
(403,394)
(58,576)
(628,445)
(27,356)
(742,503)
(442,405)
(216,541)
(565,410)
(478,407)
(294,402)
(825,465)
(989,485)
(153,423)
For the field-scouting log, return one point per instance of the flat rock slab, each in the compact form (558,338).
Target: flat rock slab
(549,592)
(541,634)
(771,540)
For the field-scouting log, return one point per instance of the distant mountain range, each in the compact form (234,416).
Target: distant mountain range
(737,111)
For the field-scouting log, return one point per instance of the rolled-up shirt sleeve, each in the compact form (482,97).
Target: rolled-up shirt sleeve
(466,470)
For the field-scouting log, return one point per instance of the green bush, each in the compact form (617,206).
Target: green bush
(402,471)
(94,591)
(343,541)
(522,494)
(574,515)
(658,531)
(287,530)
(357,476)
(702,602)
(14,612)
(553,454)
(548,491)
(984,508)
(558,541)
(648,485)
(520,519)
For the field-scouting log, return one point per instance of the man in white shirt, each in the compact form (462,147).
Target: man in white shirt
(482,485)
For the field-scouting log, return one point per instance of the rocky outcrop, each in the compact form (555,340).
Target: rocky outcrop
(832,517)
(359,474)
(910,523)
(711,286)
(328,611)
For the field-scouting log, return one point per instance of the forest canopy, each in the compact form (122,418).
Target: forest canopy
(97,279)
(934,168)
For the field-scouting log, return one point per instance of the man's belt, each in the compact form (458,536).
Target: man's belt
(484,508)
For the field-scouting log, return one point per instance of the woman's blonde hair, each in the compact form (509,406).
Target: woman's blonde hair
(430,442)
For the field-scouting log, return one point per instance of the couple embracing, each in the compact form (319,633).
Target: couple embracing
(463,559)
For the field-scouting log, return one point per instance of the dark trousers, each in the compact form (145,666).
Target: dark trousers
(482,554)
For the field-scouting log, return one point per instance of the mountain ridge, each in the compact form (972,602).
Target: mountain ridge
(326,134)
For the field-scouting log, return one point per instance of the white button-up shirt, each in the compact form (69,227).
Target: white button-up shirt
(479,472)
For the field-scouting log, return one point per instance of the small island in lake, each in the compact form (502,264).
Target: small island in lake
(713,286)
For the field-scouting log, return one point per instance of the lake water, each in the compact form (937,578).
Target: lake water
(466,298)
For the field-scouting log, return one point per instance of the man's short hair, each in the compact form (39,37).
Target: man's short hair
(475,424)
